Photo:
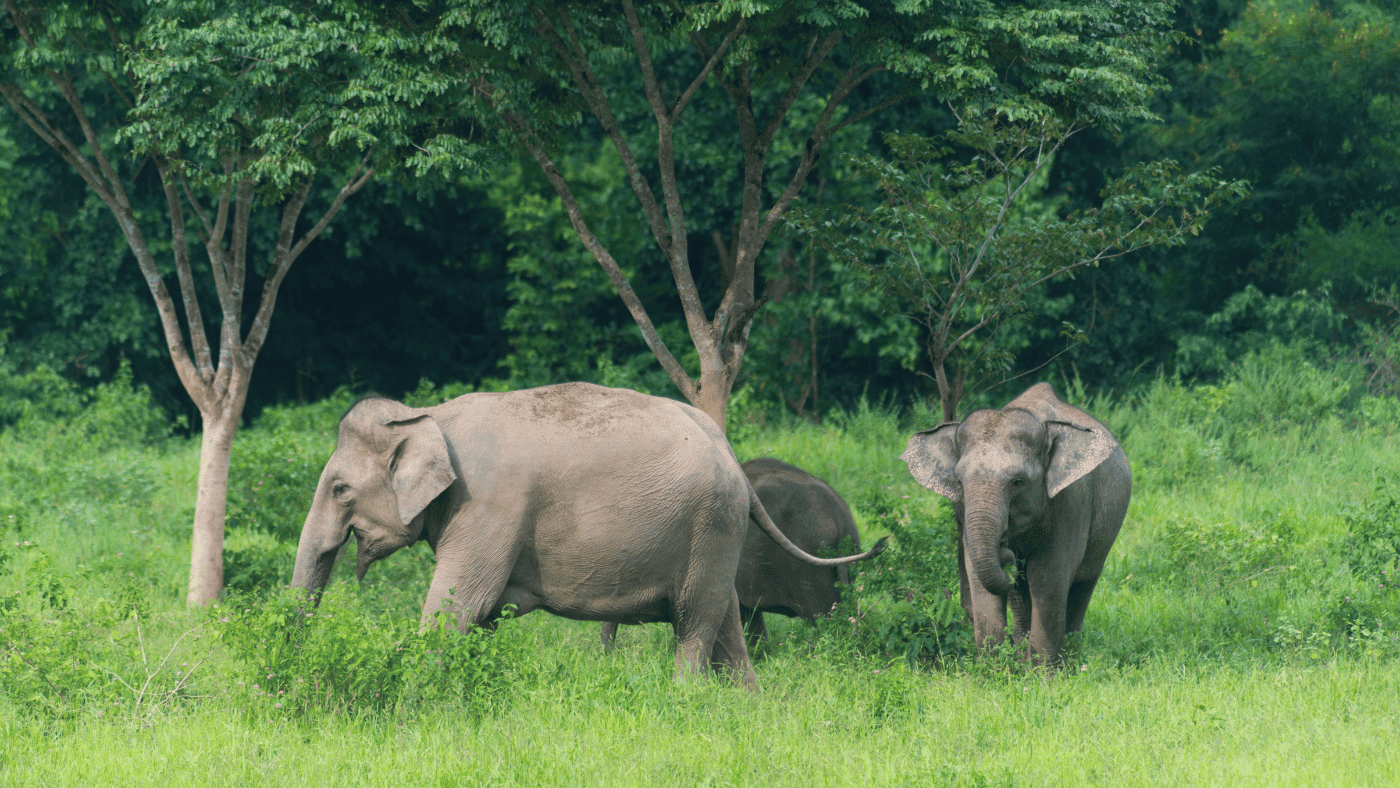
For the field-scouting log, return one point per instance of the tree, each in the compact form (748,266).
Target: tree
(960,252)
(793,75)
(232,106)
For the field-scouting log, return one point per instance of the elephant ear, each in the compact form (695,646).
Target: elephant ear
(933,459)
(421,467)
(1075,451)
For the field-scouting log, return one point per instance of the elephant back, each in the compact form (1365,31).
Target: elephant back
(1041,401)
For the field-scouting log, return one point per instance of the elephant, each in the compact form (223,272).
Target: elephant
(769,580)
(591,503)
(1040,483)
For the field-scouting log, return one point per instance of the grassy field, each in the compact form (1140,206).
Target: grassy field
(1244,632)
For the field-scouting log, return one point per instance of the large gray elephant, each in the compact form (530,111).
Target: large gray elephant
(591,503)
(770,580)
(1038,482)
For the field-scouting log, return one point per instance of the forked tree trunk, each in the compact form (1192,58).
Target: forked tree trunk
(216,378)
(722,339)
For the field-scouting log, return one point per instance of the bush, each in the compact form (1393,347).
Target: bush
(903,602)
(272,481)
(1372,543)
(1365,612)
(1219,552)
(428,395)
(43,403)
(1179,434)
(254,559)
(59,658)
(342,656)
(322,416)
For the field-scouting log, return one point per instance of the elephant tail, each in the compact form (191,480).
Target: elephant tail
(762,520)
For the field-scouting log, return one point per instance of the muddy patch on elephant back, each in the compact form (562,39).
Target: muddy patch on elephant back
(583,406)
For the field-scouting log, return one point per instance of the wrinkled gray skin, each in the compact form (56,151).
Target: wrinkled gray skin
(770,580)
(591,503)
(1039,482)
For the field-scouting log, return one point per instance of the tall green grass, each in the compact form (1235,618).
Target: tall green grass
(1244,631)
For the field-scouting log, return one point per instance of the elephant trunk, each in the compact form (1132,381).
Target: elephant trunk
(316,552)
(986,522)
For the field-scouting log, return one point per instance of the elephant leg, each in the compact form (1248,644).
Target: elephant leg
(1049,591)
(475,558)
(730,656)
(697,620)
(965,592)
(1079,594)
(757,631)
(609,634)
(1020,600)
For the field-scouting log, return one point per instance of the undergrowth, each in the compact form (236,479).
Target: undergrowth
(1262,529)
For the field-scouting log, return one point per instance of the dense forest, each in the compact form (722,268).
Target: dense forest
(478,279)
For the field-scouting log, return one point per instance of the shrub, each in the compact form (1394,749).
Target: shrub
(254,559)
(903,602)
(428,395)
(58,658)
(1366,612)
(342,656)
(272,480)
(321,416)
(1222,551)
(42,402)
(1372,542)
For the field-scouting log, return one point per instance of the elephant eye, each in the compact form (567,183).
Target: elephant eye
(340,489)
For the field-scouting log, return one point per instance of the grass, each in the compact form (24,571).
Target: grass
(1224,645)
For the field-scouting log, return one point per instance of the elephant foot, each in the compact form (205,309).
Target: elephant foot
(609,636)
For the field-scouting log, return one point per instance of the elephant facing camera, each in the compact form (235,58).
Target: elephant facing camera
(1038,484)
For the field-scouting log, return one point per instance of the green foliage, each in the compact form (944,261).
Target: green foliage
(116,413)
(1218,551)
(214,79)
(1299,99)
(272,479)
(62,655)
(344,656)
(903,603)
(428,395)
(1179,434)
(960,250)
(321,416)
(1372,543)
(255,559)
(1308,323)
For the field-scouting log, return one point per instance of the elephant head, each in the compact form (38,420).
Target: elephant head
(390,462)
(1001,468)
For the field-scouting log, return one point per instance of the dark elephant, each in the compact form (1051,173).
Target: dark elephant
(591,503)
(770,580)
(1044,481)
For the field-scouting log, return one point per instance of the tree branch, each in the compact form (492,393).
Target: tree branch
(678,253)
(353,184)
(588,85)
(707,69)
(194,318)
(673,368)
(799,81)
(282,259)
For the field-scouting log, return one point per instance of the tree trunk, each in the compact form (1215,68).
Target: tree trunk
(207,542)
(713,396)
